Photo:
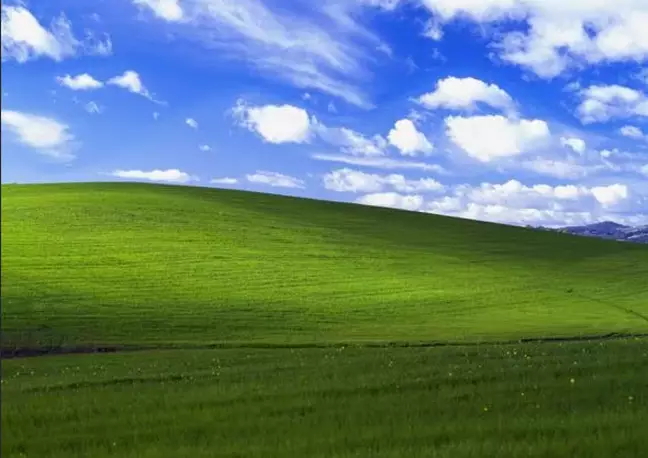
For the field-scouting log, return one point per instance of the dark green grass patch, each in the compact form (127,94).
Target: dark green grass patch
(553,400)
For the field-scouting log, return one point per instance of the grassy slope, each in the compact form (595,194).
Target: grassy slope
(90,264)
(133,264)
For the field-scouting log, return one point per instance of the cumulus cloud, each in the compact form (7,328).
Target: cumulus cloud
(632,132)
(552,36)
(610,195)
(350,141)
(393,200)
(170,175)
(204,148)
(81,82)
(131,81)
(224,180)
(406,137)
(578,145)
(466,94)
(169,10)
(275,179)
(515,203)
(191,123)
(515,193)
(487,138)
(348,180)
(275,123)
(291,124)
(602,103)
(433,30)
(46,135)
(25,39)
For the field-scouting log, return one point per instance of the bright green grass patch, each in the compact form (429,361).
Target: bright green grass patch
(553,400)
(133,264)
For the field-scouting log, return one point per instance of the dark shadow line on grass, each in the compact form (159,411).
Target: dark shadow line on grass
(629,311)
(78,350)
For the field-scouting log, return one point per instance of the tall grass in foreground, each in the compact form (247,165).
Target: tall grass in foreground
(553,400)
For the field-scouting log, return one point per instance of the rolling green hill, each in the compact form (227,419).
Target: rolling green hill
(152,265)
(266,280)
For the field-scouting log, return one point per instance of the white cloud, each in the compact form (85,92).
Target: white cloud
(348,180)
(386,5)
(191,123)
(610,195)
(631,132)
(275,123)
(490,137)
(393,200)
(225,180)
(465,94)
(478,10)
(98,47)
(170,175)
(380,162)
(602,103)
(515,203)
(433,30)
(385,49)
(156,115)
(408,139)
(565,169)
(25,39)
(620,162)
(131,81)
(275,179)
(47,135)
(350,141)
(204,148)
(92,108)
(515,193)
(82,82)
(578,145)
(291,124)
(320,47)
(169,10)
(554,35)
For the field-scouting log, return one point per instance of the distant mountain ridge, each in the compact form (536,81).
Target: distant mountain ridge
(608,230)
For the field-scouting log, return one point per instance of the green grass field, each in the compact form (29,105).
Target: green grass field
(480,401)
(276,326)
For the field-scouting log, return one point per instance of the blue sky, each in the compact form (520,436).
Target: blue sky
(516,111)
